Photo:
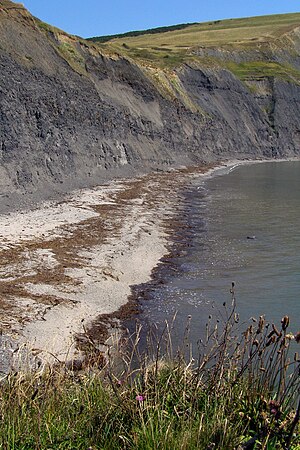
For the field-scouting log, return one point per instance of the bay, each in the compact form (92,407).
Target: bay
(242,227)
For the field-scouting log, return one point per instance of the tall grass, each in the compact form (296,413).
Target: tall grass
(241,392)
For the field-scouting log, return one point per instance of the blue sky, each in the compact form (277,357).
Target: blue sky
(95,17)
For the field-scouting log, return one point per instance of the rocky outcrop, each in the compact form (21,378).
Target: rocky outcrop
(73,117)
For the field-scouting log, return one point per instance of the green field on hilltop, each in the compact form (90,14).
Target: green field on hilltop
(216,33)
(168,47)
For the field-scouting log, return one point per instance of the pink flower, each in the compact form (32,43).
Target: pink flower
(140,398)
(274,408)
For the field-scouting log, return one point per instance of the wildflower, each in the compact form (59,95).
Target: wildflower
(274,408)
(140,398)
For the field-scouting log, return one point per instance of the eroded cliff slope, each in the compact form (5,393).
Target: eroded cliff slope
(74,112)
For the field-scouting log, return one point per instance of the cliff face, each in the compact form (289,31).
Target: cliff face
(71,116)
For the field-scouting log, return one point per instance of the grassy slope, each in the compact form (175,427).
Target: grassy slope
(158,53)
(218,33)
(139,33)
(167,50)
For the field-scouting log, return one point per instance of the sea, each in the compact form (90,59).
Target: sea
(241,230)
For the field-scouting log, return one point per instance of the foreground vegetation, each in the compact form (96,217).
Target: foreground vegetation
(242,393)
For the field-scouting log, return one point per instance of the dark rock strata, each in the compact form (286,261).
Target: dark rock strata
(66,124)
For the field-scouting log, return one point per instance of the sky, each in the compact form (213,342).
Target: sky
(87,18)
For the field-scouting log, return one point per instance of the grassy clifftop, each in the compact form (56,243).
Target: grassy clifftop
(249,47)
(215,33)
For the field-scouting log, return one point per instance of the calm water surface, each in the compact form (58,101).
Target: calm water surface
(261,200)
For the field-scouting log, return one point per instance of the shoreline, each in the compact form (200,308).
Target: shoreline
(67,263)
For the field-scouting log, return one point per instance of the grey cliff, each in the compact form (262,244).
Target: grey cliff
(62,128)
